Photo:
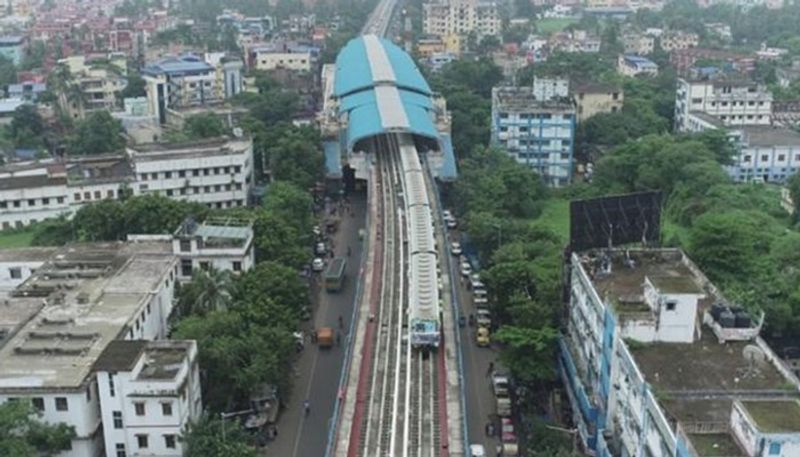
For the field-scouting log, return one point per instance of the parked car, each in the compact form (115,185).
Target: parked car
(318,264)
(466,269)
(447,214)
(452,223)
(500,384)
(455,248)
(320,249)
(484,318)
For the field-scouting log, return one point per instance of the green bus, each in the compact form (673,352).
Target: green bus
(334,275)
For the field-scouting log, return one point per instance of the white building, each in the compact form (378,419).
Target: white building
(734,103)
(657,363)
(149,393)
(189,81)
(288,56)
(630,65)
(221,244)
(461,17)
(216,172)
(68,306)
(550,88)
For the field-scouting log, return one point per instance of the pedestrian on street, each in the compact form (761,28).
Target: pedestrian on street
(491,368)
(341,321)
(314,337)
(307,407)
(338,339)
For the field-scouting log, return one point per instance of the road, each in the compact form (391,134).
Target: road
(317,370)
(480,400)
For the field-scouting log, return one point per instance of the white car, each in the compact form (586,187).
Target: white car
(318,264)
(466,270)
(477,450)
(455,248)
(447,214)
(451,223)
(320,249)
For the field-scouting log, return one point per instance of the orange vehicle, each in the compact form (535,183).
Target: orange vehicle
(325,337)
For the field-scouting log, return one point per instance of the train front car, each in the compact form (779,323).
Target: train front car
(423,291)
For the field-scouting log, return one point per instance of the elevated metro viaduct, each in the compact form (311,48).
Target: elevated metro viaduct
(376,88)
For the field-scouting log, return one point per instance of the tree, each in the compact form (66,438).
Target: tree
(27,127)
(8,73)
(99,133)
(22,435)
(291,204)
(209,290)
(530,353)
(279,283)
(206,125)
(211,437)
(295,157)
(136,87)
(794,192)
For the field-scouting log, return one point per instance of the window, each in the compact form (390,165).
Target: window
(60,199)
(141,441)
(166,409)
(121,450)
(781,157)
(764,158)
(186,267)
(117,415)
(697,100)
(139,406)
(182,173)
(169,192)
(237,169)
(748,158)
(206,171)
(110,193)
(15,273)
(195,172)
(237,266)
(205,266)
(167,174)
(89,392)
(774,448)
(61,404)
(148,308)
(38,403)
(144,176)
(111,389)
(77,197)
(671,305)
(169,441)
(87,195)
(143,187)
(153,175)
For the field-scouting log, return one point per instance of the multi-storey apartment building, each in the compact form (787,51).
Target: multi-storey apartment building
(217,172)
(288,56)
(12,48)
(149,394)
(64,307)
(638,43)
(534,131)
(219,244)
(189,81)
(672,40)
(734,103)
(461,17)
(658,363)
(591,99)
(92,87)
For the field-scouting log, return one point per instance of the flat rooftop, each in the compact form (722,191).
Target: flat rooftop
(623,288)
(163,362)
(716,445)
(705,365)
(521,98)
(775,416)
(193,149)
(771,136)
(89,294)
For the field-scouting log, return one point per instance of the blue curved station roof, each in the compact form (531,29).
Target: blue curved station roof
(381,90)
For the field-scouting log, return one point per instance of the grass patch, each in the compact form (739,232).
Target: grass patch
(16,238)
(775,416)
(555,217)
(552,25)
(715,445)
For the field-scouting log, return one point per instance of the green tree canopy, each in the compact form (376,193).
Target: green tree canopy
(210,437)
(23,435)
(97,134)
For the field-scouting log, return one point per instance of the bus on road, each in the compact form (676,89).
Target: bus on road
(334,275)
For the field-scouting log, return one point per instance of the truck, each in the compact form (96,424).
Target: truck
(334,275)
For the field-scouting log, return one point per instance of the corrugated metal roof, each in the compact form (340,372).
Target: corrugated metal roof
(380,89)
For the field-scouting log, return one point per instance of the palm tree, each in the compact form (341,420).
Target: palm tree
(211,290)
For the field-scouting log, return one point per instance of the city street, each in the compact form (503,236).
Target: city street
(317,372)
(480,408)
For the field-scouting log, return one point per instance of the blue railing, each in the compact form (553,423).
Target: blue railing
(333,422)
